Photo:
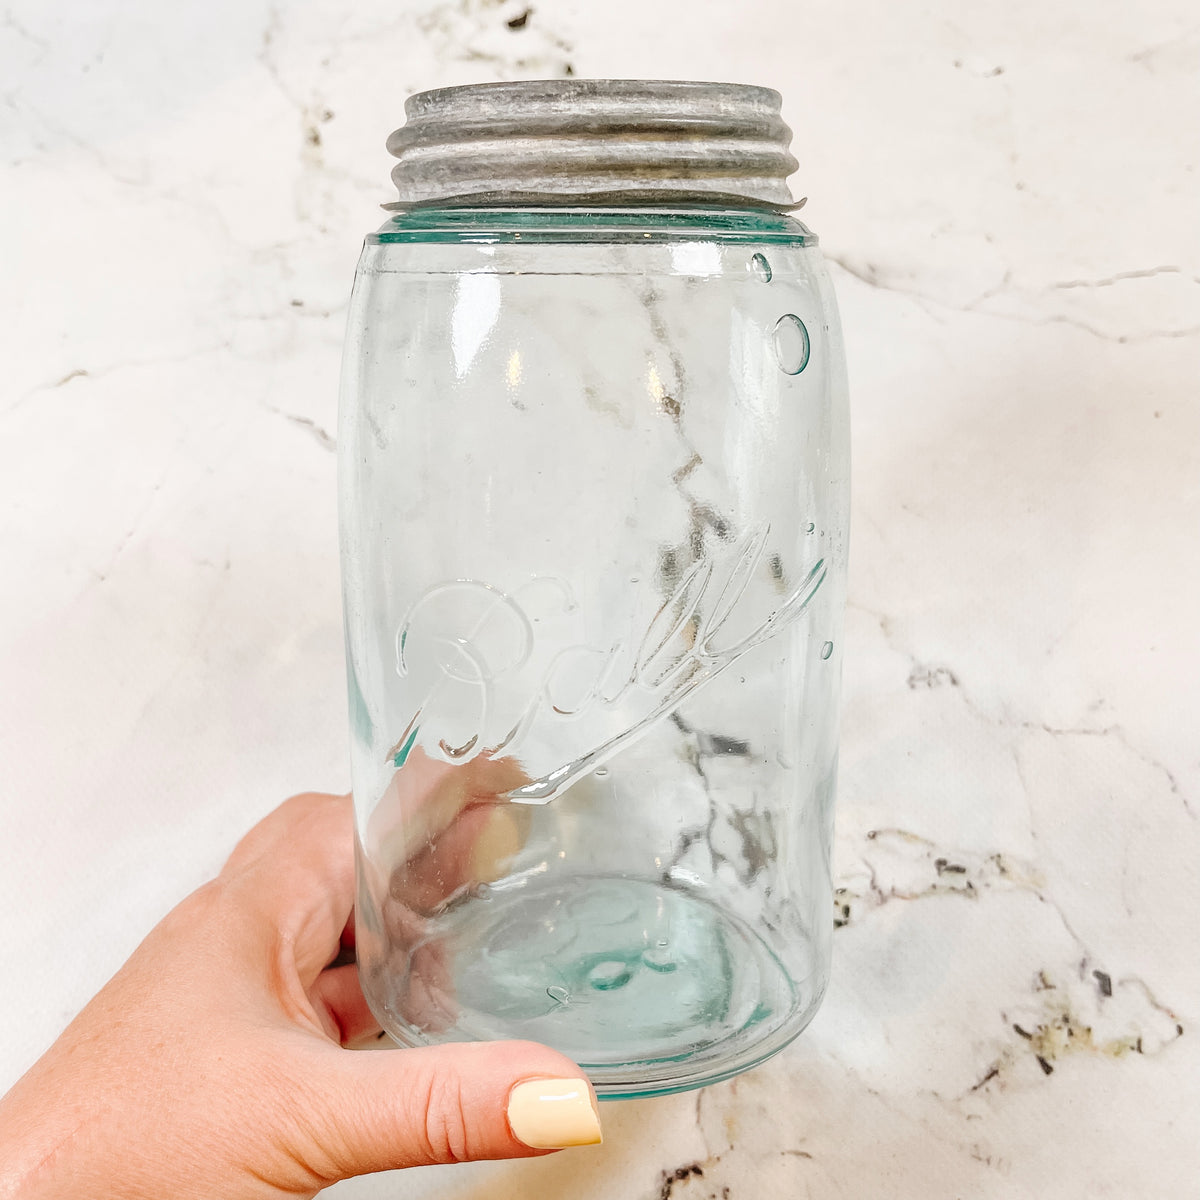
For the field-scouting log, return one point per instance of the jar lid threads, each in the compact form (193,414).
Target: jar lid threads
(593,141)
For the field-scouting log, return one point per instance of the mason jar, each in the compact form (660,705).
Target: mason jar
(593,471)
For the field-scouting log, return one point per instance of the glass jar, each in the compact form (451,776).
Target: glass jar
(594,498)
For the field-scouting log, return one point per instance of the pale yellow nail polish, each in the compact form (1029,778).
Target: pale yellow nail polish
(498,843)
(551,1114)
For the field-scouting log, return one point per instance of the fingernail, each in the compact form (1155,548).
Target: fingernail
(552,1114)
(498,843)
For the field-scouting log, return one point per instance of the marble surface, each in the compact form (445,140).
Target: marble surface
(1009,195)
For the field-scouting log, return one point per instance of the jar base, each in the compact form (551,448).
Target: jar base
(650,986)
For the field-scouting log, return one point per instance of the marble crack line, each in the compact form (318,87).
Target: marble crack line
(867,274)
(1090,1012)
(1146,54)
(310,426)
(905,866)
(295,308)
(1122,276)
(25,34)
(22,105)
(458,27)
(1069,1008)
(91,374)
(1114,731)
(313,114)
(1026,791)
(870,276)
(933,675)
(103,575)
(900,1106)
(265,57)
(1081,1015)
(1118,734)
(1121,339)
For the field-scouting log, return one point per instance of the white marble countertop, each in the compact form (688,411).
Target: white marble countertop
(1010,195)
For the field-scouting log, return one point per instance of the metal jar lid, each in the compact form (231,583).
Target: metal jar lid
(593,141)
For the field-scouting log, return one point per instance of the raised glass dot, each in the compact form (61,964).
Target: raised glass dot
(559,994)
(827,650)
(658,958)
(810,528)
(601,772)
(760,267)
(792,347)
(608,976)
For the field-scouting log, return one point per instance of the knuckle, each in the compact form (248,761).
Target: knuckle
(447,1121)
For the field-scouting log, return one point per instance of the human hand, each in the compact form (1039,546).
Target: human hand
(213,1063)
(437,832)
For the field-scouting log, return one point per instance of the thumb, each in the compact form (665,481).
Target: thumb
(455,1103)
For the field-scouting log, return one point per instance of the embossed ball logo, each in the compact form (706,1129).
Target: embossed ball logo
(485,671)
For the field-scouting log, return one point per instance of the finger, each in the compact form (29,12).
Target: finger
(338,1000)
(414,969)
(425,796)
(294,872)
(260,845)
(479,846)
(454,1103)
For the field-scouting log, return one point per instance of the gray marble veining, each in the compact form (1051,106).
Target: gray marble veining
(1008,198)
